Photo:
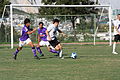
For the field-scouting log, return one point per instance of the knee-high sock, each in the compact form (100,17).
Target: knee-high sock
(39,50)
(53,51)
(34,51)
(60,53)
(114,46)
(16,52)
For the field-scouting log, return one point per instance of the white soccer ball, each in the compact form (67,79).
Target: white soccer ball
(74,55)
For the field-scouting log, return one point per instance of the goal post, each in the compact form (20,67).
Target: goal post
(28,5)
(4,10)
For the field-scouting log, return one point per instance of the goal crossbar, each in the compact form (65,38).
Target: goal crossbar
(28,5)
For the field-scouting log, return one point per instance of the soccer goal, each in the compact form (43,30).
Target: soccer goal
(84,27)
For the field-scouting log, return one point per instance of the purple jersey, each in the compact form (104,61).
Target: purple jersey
(42,33)
(24,34)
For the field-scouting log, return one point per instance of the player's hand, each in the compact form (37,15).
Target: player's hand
(49,38)
(64,35)
(34,29)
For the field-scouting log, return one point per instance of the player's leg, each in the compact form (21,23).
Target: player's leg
(52,50)
(59,48)
(116,38)
(56,44)
(39,50)
(16,52)
(21,44)
(114,47)
(29,42)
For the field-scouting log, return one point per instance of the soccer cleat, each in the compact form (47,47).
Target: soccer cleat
(62,57)
(14,57)
(42,54)
(36,57)
(114,52)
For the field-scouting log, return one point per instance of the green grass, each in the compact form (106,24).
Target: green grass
(93,63)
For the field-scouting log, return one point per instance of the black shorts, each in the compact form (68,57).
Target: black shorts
(117,38)
(54,42)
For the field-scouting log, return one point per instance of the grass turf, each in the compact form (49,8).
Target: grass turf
(93,63)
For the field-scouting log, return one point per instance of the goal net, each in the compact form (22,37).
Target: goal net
(83,24)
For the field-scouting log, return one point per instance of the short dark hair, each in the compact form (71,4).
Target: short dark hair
(56,20)
(41,23)
(26,21)
(118,14)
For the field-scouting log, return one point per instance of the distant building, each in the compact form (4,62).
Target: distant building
(27,9)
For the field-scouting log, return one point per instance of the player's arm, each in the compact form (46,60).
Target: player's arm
(39,38)
(115,26)
(30,32)
(61,32)
(117,29)
(47,33)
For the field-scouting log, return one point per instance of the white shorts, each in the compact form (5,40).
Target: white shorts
(44,43)
(22,43)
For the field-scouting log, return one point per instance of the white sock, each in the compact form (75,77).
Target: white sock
(60,54)
(114,46)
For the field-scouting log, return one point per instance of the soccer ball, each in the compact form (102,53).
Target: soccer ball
(74,55)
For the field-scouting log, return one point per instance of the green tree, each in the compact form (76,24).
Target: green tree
(67,11)
(2,33)
(2,27)
(2,4)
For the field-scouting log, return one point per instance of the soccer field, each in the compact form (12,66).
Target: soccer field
(93,63)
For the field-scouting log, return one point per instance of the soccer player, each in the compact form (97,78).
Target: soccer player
(42,39)
(51,36)
(24,39)
(116,32)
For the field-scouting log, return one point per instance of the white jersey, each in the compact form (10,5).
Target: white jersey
(52,30)
(116,24)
